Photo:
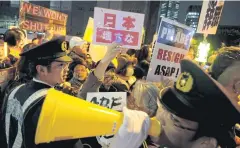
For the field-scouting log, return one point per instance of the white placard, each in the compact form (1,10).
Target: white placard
(117,26)
(112,100)
(210,16)
(171,46)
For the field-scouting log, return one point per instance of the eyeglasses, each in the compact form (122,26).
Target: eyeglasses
(176,122)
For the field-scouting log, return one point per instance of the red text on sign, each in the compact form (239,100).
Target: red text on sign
(109,20)
(41,27)
(120,36)
(43,12)
(170,56)
(128,22)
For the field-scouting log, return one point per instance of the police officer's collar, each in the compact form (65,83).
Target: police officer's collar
(39,81)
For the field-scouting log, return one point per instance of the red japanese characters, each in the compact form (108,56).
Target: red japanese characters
(118,26)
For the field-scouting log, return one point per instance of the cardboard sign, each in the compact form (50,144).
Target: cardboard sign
(112,100)
(210,16)
(97,52)
(172,44)
(39,19)
(89,30)
(117,26)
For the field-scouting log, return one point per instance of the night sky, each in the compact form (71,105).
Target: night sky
(230,14)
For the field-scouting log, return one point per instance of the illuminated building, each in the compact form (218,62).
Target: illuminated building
(169,9)
(192,17)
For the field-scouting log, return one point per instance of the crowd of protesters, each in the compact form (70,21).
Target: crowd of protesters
(203,115)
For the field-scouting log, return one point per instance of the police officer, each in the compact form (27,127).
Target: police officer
(196,112)
(48,65)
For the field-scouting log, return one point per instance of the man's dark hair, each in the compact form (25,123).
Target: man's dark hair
(32,66)
(22,65)
(227,56)
(131,52)
(142,54)
(11,36)
(71,67)
(141,69)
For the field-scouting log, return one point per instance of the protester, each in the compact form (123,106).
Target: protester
(77,51)
(125,69)
(111,82)
(131,52)
(35,41)
(78,73)
(141,70)
(22,71)
(91,85)
(144,53)
(23,36)
(146,97)
(86,46)
(90,63)
(191,114)
(15,42)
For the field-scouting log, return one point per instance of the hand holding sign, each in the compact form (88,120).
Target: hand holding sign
(113,50)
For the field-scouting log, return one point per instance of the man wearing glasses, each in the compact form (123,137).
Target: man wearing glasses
(197,112)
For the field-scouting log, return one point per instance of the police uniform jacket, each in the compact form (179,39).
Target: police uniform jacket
(20,128)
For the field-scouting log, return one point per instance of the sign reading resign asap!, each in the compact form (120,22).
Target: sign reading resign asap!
(172,45)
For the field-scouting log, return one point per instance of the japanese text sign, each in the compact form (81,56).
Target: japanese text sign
(117,26)
(172,45)
(210,16)
(39,19)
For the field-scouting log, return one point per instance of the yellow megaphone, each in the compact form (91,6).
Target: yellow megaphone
(66,117)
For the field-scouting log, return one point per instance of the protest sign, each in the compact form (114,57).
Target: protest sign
(112,100)
(171,46)
(210,16)
(117,26)
(39,19)
(97,52)
(88,34)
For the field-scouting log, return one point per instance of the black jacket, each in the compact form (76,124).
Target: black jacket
(30,117)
